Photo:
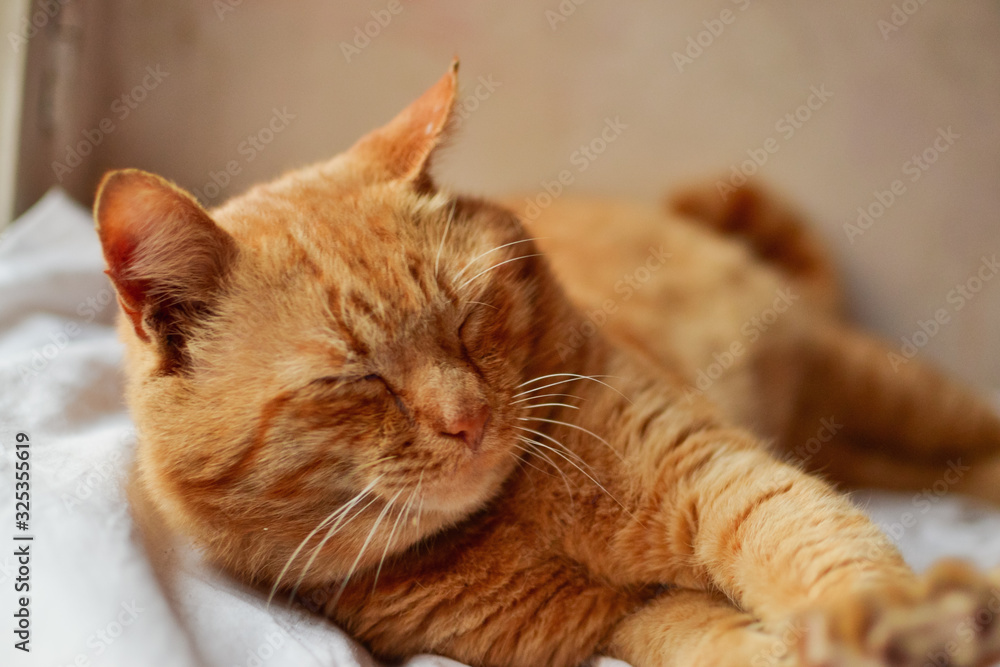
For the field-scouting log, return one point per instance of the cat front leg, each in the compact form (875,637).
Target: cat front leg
(685,628)
(688,628)
(721,514)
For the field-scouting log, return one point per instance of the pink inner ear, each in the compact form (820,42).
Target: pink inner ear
(123,212)
(133,207)
(119,249)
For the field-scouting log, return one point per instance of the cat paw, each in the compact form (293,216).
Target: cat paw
(951,618)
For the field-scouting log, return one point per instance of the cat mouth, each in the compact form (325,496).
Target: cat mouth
(471,478)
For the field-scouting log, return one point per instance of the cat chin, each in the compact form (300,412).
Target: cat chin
(469,490)
(458,499)
(456,505)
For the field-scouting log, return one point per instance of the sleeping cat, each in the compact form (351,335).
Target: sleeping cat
(511,446)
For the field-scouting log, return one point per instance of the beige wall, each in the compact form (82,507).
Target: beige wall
(555,83)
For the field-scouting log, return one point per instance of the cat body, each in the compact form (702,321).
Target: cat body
(357,389)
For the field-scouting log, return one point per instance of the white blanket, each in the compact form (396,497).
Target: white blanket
(93,597)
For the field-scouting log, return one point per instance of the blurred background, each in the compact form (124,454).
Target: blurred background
(878,118)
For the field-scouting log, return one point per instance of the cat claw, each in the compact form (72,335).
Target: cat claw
(950,618)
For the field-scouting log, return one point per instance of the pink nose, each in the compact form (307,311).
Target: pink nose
(469,426)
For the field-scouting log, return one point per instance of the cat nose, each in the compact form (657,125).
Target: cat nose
(468,426)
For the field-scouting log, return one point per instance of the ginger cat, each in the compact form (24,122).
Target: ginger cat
(356,388)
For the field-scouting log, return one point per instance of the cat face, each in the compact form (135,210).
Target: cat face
(347,336)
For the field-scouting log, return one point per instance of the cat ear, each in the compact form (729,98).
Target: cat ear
(165,255)
(402,149)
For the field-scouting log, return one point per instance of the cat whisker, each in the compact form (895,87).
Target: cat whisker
(334,529)
(413,496)
(506,245)
(531,391)
(447,228)
(557,443)
(332,517)
(571,377)
(496,266)
(531,398)
(543,456)
(420,507)
(364,547)
(578,428)
(488,305)
(521,459)
(556,375)
(584,472)
(547,405)
(570,461)
(372,464)
(573,463)
(392,534)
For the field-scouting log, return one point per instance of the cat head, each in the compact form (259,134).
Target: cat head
(348,338)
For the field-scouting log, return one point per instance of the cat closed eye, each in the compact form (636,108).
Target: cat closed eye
(341,379)
(329,380)
(477,311)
